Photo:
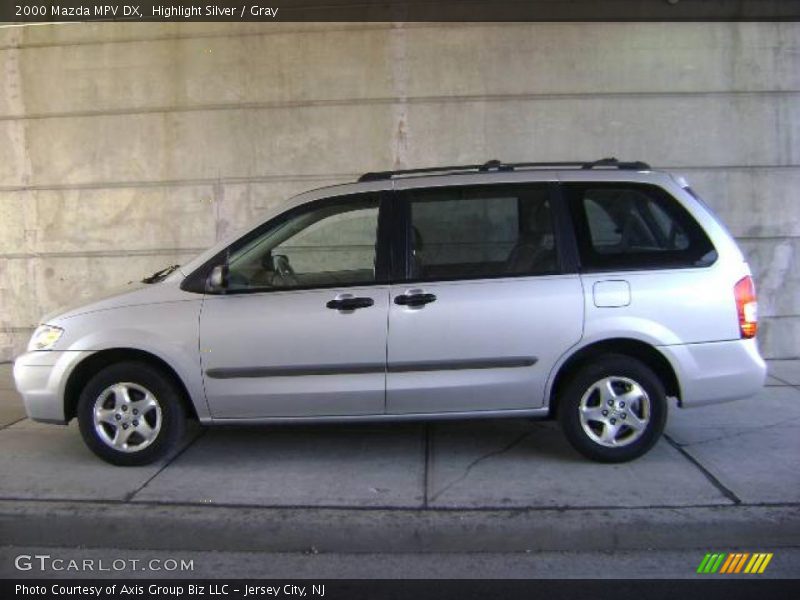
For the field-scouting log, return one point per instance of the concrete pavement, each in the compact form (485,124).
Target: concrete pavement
(723,474)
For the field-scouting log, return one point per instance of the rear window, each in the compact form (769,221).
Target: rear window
(635,226)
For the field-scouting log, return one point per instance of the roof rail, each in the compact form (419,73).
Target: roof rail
(496,165)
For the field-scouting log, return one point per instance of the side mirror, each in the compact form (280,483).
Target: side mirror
(218,279)
(267,262)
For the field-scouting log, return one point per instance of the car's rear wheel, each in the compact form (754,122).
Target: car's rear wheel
(613,409)
(130,413)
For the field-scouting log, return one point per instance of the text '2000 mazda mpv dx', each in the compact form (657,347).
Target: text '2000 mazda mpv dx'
(586,292)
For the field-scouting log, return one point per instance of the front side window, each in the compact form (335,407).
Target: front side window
(635,226)
(331,244)
(472,233)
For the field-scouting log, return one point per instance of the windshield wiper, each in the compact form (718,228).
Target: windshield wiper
(160,275)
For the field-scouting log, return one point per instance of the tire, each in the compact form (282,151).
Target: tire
(131,413)
(613,409)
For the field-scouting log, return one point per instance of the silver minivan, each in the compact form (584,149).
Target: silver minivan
(587,292)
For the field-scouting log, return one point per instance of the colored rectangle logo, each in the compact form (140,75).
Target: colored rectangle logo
(727,563)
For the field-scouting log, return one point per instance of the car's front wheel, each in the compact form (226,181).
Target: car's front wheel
(613,409)
(130,413)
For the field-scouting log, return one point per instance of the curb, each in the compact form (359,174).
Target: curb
(139,525)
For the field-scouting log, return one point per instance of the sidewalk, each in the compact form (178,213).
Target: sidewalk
(723,474)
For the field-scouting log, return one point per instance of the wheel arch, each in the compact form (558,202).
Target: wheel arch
(647,353)
(90,365)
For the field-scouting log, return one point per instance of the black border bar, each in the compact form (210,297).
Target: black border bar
(399,10)
(419,589)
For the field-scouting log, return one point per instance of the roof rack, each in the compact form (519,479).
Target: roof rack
(496,165)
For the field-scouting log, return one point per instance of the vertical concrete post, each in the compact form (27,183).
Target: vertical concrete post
(399,66)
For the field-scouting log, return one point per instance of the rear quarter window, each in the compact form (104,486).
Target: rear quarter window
(635,226)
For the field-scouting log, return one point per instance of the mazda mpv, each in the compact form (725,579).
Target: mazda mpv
(592,293)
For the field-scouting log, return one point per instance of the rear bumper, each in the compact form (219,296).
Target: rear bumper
(41,378)
(717,371)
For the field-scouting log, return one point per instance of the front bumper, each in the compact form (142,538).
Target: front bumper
(41,378)
(717,371)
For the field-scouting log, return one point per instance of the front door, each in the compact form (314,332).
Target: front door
(488,305)
(301,329)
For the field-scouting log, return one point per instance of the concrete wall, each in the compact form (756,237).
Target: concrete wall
(126,147)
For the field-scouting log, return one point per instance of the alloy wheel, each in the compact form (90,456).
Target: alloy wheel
(127,417)
(614,411)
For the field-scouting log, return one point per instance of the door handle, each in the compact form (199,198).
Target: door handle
(350,303)
(418,299)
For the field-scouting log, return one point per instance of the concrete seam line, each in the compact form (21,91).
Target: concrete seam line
(783,381)
(15,501)
(725,491)
(194,250)
(771,238)
(173,38)
(390,100)
(190,182)
(7,425)
(314,177)
(427,471)
(130,496)
(101,253)
(343,27)
(12,501)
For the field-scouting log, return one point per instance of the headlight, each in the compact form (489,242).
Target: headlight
(44,337)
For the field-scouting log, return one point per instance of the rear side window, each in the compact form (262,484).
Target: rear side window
(474,232)
(635,226)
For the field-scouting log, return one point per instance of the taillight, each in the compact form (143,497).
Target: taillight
(746,306)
